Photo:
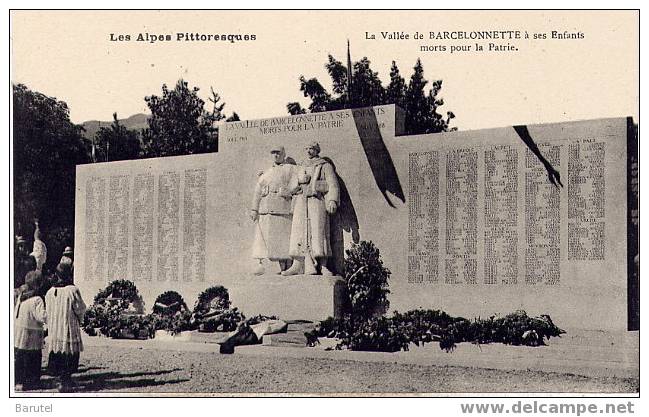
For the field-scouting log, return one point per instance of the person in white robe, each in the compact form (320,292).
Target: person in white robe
(65,309)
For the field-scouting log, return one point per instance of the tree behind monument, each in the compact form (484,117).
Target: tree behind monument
(47,148)
(365,90)
(180,124)
(116,143)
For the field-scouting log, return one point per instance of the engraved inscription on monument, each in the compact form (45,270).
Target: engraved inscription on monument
(146,226)
(117,245)
(542,219)
(194,200)
(423,226)
(143,221)
(505,193)
(586,208)
(95,230)
(461,216)
(501,215)
(168,225)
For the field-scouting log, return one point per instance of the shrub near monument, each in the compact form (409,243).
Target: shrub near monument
(366,328)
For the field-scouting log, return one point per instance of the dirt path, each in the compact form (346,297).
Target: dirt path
(122,369)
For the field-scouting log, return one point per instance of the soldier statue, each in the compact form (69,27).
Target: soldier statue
(271,211)
(317,198)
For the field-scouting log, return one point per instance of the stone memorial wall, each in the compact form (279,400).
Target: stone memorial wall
(146,222)
(468,222)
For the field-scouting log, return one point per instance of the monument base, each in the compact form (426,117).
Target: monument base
(298,297)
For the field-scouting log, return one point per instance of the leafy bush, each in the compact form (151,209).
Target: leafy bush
(330,327)
(425,326)
(516,328)
(376,334)
(519,329)
(367,281)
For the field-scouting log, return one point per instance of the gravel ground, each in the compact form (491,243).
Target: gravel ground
(126,370)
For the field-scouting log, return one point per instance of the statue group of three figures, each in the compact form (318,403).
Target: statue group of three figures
(291,209)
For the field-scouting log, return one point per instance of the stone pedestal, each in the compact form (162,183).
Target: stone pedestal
(293,337)
(298,297)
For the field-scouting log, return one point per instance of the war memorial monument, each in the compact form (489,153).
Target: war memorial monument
(475,223)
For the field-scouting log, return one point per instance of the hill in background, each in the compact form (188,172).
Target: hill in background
(135,122)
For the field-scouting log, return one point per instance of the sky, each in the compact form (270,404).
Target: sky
(70,55)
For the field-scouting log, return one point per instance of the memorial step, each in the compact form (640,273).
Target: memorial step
(294,336)
(293,298)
